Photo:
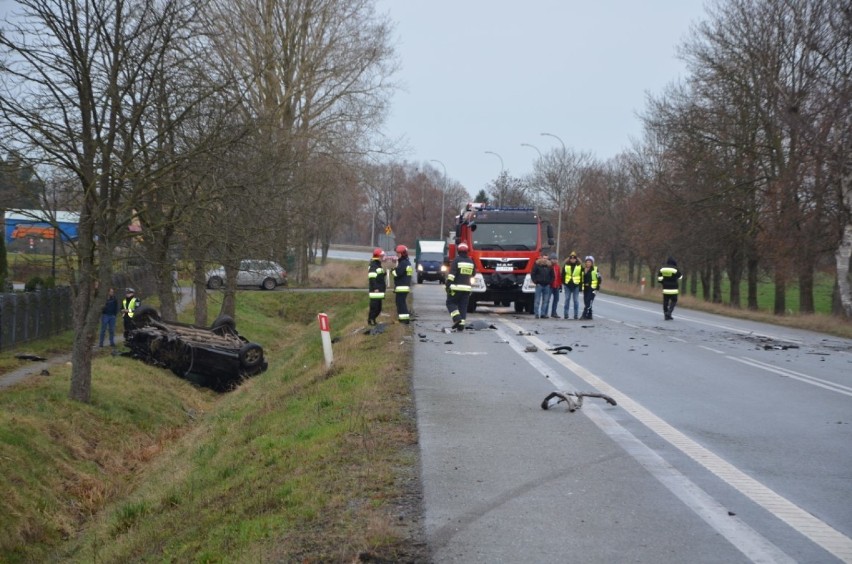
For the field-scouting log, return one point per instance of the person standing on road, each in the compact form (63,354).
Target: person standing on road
(108,315)
(669,276)
(377,285)
(129,305)
(555,286)
(402,275)
(572,277)
(542,277)
(461,273)
(591,283)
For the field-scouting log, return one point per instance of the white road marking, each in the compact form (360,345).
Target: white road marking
(708,323)
(711,350)
(818,531)
(812,380)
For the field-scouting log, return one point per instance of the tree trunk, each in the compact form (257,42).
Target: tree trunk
(843,258)
(199,284)
(705,284)
(752,274)
(717,284)
(735,276)
(806,288)
(780,291)
(631,267)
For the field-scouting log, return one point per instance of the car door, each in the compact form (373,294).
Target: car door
(247,273)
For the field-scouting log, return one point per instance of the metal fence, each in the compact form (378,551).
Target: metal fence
(29,316)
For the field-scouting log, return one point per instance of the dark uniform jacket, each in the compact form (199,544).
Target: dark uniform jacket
(461,274)
(402,275)
(669,276)
(376,276)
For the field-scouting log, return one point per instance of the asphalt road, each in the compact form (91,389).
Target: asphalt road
(730,441)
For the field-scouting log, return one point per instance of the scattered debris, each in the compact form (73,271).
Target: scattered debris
(561,349)
(44,372)
(574,399)
(29,356)
(376,329)
(478,325)
(448,342)
(531,348)
(779,347)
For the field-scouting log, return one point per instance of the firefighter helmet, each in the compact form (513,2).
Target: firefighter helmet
(377,252)
(463,248)
(401,250)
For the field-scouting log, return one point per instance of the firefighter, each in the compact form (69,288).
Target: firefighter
(129,305)
(458,286)
(590,283)
(669,276)
(402,283)
(377,284)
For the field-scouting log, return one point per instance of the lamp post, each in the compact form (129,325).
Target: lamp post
(443,196)
(559,195)
(502,168)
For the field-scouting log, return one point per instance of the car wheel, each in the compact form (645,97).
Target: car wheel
(251,355)
(471,306)
(214,283)
(145,314)
(224,325)
(419,279)
(268,284)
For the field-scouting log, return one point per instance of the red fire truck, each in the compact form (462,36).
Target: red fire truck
(504,244)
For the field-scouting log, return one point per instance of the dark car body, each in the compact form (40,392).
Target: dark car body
(216,357)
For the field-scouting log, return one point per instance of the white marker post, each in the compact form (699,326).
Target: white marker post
(325,332)
(642,286)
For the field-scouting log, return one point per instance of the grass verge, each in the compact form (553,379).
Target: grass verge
(301,463)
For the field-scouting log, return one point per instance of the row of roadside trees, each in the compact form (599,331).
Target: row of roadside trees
(744,168)
(224,129)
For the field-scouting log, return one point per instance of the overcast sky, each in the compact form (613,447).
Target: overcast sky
(488,75)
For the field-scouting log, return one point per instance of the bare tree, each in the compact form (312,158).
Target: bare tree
(315,78)
(71,103)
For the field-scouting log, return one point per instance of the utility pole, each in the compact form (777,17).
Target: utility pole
(442,236)
(560,190)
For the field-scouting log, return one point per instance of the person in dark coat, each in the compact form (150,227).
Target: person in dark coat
(669,276)
(108,315)
(542,277)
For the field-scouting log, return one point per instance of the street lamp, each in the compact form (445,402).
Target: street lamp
(499,157)
(540,157)
(443,196)
(559,195)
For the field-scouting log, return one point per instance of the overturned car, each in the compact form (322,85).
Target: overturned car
(218,358)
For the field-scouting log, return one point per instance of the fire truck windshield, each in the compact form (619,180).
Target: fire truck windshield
(505,236)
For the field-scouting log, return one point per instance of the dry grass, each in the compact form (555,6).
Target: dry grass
(339,274)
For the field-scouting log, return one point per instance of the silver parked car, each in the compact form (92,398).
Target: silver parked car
(265,274)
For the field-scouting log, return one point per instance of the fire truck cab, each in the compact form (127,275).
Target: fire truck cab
(504,244)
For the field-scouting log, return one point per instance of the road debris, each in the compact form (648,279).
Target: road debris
(574,400)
